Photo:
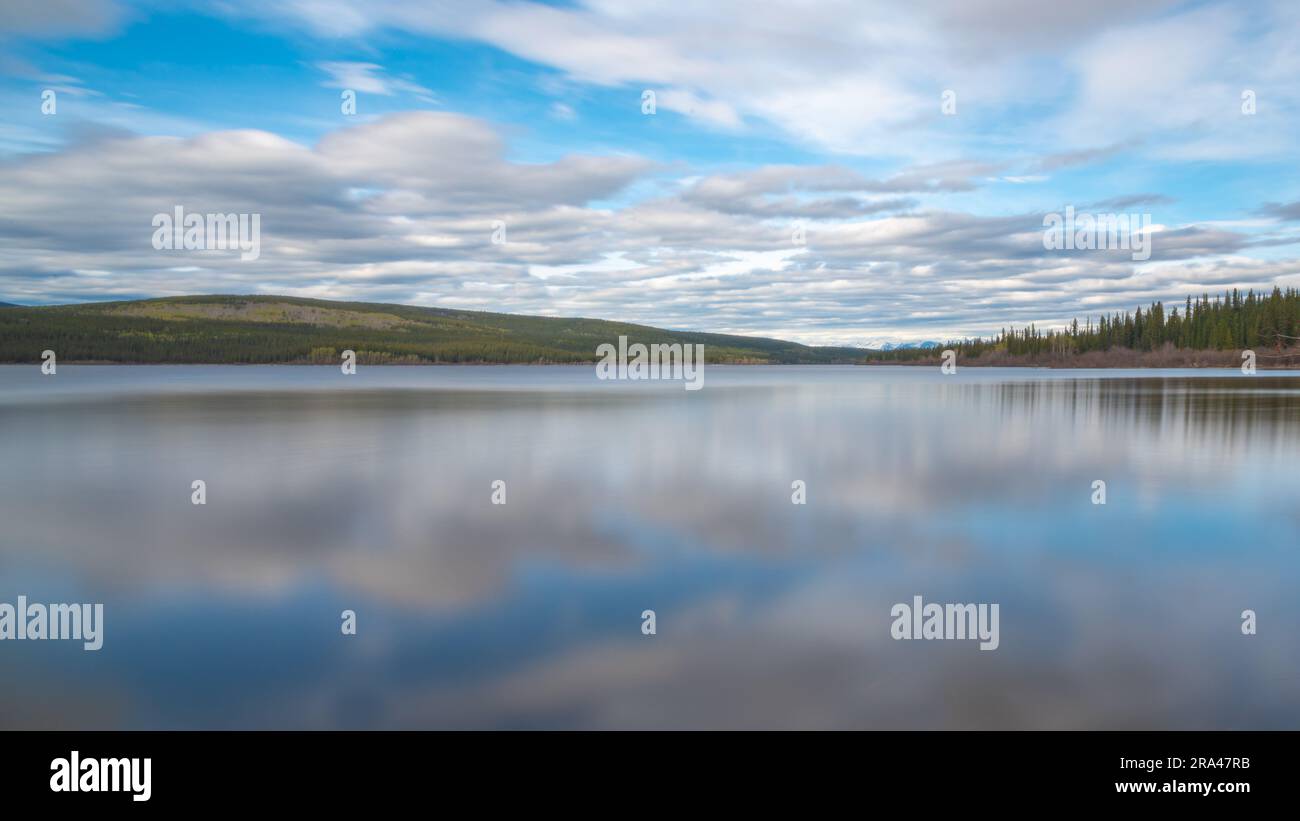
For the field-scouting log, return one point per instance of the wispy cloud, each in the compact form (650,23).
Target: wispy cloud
(370,78)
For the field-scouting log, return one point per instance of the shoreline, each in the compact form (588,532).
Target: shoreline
(920,363)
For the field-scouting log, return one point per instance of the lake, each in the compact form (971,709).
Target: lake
(373,493)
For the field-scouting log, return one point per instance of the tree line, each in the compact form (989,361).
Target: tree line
(1228,322)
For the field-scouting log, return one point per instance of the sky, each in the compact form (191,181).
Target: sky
(831,172)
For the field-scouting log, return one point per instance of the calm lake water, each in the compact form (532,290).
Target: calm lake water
(373,493)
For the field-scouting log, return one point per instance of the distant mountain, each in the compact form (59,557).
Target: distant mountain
(7,305)
(907,346)
(277,329)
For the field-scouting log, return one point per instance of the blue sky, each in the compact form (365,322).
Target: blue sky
(771,120)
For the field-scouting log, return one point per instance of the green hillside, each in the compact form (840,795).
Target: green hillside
(275,329)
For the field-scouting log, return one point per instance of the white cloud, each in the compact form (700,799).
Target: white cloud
(370,78)
(401,209)
(865,77)
(713,112)
(60,18)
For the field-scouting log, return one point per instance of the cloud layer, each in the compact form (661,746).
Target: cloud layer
(890,220)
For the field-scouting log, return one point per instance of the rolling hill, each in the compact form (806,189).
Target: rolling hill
(276,329)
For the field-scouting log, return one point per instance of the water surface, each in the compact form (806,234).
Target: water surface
(373,493)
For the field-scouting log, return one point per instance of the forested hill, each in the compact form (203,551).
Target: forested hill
(1202,332)
(275,329)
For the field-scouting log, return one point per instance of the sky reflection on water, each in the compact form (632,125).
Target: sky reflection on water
(372,493)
